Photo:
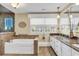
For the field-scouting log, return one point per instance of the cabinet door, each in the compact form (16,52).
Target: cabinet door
(52,39)
(75,53)
(55,49)
(53,43)
(66,50)
(58,47)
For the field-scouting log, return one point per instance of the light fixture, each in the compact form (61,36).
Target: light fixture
(58,20)
(15,5)
(58,15)
(70,13)
(71,16)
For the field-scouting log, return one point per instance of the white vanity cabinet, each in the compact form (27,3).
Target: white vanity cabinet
(75,53)
(66,50)
(60,48)
(56,45)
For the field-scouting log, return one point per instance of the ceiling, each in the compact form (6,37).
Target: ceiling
(38,8)
(35,7)
(4,10)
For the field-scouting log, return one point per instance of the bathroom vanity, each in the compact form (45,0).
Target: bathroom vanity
(64,46)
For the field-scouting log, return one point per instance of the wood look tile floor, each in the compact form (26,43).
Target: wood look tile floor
(45,51)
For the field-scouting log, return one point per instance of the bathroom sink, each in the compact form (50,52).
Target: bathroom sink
(76,45)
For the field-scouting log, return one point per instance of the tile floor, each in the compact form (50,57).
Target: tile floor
(45,51)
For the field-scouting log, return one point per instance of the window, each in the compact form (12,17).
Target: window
(8,21)
(43,25)
(36,21)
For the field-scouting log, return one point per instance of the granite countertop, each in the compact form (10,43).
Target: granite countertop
(64,35)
